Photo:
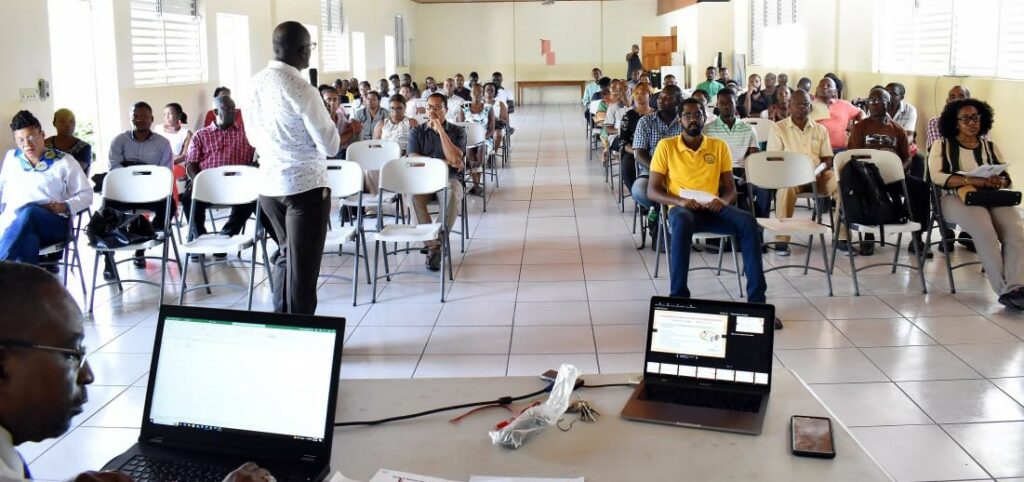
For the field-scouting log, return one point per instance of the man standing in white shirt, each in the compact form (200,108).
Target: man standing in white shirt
(294,135)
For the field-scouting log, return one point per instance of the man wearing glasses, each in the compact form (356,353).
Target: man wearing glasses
(443,140)
(44,373)
(692,175)
(294,135)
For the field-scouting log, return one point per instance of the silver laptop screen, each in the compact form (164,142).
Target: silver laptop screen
(721,345)
(218,375)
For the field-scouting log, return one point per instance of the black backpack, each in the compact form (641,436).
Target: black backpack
(867,200)
(111,228)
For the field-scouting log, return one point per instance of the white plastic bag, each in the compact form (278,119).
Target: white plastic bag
(542,416)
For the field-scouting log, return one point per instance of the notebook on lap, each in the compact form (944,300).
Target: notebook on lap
(226,387)
(708,365)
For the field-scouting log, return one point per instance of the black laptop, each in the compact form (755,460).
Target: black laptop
(226,387)
(708,365)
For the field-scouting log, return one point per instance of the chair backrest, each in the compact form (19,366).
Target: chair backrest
(475,133)
(594,104)
(344,177)
(371,155)
(414,175)
(420,118)
(227,185)
(138,184)
(889,164)
(778,170)
(761,126)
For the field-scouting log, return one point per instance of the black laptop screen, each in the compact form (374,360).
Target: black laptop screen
(223,376)
(722,342)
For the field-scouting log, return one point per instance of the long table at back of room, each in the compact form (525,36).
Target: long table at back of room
(612,449)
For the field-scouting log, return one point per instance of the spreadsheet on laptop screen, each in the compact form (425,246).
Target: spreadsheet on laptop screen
(216,375)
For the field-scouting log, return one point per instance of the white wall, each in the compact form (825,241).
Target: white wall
(583,35)
(26,59)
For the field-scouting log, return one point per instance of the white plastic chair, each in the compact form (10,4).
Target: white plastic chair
(345,179)
(783,170)
(702,236)
(891,169)
(476,136)
(225,186)
(411,176)
(371,156)
(68,249)
(138,185)
(762,127)
(595,130)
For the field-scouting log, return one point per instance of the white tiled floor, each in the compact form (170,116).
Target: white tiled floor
(932,384)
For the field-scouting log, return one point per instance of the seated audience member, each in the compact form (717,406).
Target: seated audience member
(905,114)
(754,101)
(666,81)
(627,130)
(348,129)
(501,112)
(46,373)
(839,84)
(503,94)
(454,101)
(742,142)
(211,116)
(957,92)
(413,105)
(382,88)
(602,84)
(41,188)
(841,114)
(396,126)
(998,232)
(723,76)
(634,79)
(341,87)
(591,89)
(407,80)
(705,100)
(613,110)
(395,82)
(779,107)
(370,114)
(710,86)
(797,133)
(474,78)
(353,94)
(770,83)
(360,102)
(175,130)
(478,112)
(431,89)
(804,84)
(443,140)
(219,145)
(140,146)
(695,163)
(879,131)
(460,88)
(783,81)
(65,140)
(650,130)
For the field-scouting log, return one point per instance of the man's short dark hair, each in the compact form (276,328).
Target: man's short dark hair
(711,67)
(218,90)
(25,304)
(702,92)
(327,88)
(438,95)
(373,93)
(323,87)
(367,84)
(948,119)
(393,77)
(142,105)
(604,82)
(668,76)
(728,91)
(496,74)
(23,120)
(474,75)
(397,98)
(430,77)
(672,90)
(691,101)
(899,88)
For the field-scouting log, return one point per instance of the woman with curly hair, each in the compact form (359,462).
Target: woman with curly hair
(998,232)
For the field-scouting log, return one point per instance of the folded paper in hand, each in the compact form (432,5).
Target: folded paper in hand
(699,196)
(985,170)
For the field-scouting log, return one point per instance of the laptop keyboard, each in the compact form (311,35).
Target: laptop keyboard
(144,469)
(698,397)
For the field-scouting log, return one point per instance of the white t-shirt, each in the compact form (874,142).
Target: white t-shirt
(177,139)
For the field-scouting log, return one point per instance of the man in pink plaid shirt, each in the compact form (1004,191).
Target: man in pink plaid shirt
(222,143)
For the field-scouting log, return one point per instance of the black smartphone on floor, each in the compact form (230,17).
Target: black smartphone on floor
(812,437)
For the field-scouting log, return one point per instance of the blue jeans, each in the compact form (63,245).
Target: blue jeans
(683,223)
(33,228)
(639,192)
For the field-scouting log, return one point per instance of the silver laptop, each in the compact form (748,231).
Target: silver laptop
(708,365)
(226,387)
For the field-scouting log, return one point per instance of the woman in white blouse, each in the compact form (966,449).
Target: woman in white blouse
(396,126)
(175,131)
(40,189)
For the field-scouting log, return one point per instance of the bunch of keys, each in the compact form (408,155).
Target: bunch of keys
(584,410)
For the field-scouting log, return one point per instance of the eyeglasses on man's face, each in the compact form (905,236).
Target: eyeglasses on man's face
(76,356)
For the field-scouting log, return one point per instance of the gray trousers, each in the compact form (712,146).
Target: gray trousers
(999,236)
(300,221)
(419,205)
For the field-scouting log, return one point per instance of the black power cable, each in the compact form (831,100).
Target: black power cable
(506,400)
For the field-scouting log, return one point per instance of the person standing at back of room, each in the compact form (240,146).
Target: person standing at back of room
(293,134)
(633,62)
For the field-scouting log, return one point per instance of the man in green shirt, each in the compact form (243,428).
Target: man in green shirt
(711,86)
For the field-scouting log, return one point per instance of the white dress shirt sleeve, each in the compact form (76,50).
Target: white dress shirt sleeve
(320,126)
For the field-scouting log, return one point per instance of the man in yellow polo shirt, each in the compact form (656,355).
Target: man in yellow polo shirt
(692,174)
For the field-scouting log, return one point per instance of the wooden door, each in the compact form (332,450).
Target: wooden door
(656,52)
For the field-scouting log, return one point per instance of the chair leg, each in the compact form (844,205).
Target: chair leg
(366,256)
(896,256)
(721,254)
(824,255)
(206,277)
(853,267)
(184,275)
(266,264)
(95,271)
(735,264)
(163,267)
(444,258)
(252,276)
(376,252)
(810,247)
